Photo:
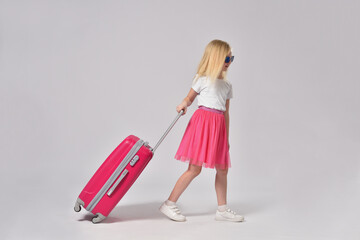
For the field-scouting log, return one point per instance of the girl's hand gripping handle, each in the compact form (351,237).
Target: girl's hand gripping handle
(181,108)
(187,101)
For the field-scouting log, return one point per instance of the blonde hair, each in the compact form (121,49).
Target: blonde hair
(212,62)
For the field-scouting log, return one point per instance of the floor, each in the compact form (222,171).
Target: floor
(267,217)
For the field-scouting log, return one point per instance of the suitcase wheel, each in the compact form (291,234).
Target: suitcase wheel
(77,208)
(78,204)
(98,218)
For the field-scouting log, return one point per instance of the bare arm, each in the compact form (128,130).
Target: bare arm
(227,119)
(188,100)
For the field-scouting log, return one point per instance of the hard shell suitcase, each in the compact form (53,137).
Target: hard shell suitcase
(116,175)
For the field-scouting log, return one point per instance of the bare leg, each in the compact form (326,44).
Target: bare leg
(221,185)
(184,182)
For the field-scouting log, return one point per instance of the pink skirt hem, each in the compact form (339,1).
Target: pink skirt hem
(202,164)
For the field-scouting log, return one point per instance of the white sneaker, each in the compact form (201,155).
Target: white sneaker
(228,215)
(172,212)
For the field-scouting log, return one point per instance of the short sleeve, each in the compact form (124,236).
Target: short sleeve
(230,93)
(197,85)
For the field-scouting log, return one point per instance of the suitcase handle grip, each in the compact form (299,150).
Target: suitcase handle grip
(168,130)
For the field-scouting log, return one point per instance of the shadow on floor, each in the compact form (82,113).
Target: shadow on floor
(132,212)
(143,211)
(242,208)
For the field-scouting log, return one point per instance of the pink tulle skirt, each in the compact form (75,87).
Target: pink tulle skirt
(205,141)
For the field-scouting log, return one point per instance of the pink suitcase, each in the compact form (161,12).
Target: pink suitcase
(116,175)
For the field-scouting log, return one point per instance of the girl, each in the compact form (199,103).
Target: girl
(205,142)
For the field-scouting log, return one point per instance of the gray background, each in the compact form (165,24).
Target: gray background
(77,77)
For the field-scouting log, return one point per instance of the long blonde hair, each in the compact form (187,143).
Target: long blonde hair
(212,62)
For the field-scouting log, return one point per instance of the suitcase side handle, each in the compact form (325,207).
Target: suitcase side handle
(117,182)
(168,130)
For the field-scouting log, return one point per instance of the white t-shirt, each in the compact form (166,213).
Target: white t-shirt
(212,95)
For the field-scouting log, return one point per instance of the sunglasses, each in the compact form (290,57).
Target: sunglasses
(227,59)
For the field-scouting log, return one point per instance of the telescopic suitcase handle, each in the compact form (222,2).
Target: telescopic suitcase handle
(168,130)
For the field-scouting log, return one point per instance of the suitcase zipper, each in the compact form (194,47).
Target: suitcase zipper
(115,175)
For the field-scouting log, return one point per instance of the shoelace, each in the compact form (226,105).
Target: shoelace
(175,209)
